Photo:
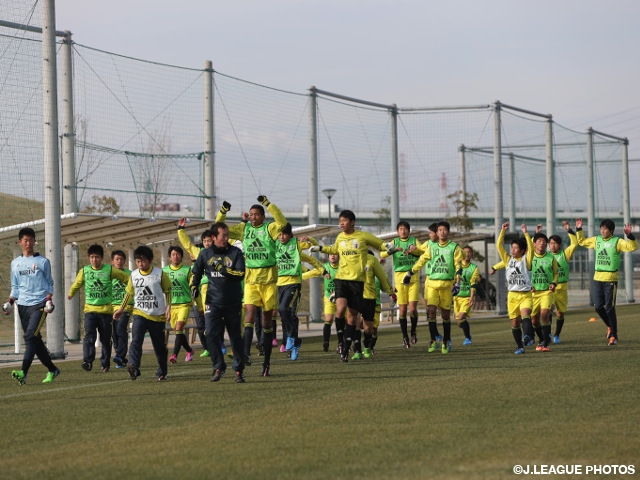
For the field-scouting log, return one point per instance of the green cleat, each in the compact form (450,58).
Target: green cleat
(204,354)
(366,353)
(446,348)
(434,346)
(19,376)
(357,356)
(51,375)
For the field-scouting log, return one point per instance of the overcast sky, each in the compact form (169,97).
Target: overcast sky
(574,59)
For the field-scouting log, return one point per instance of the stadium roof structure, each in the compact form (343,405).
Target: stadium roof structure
(129,232)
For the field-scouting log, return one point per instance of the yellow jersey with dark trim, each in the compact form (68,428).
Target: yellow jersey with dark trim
(353,250)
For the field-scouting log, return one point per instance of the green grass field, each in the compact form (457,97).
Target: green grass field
(472,414)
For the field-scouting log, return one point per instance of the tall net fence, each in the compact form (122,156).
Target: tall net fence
(140,136)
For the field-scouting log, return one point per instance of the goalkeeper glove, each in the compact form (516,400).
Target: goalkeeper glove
(195,291)
(264,200)
(332,297)
(226,206)
(394,299)
(7,307)
(315,248)
(49,306)
(456,289)
(407,278)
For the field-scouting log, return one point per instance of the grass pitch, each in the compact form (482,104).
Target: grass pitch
(472,414)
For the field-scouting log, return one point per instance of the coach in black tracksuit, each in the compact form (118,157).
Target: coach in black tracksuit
(224,265)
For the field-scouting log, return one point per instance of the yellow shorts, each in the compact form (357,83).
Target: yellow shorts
(261,295)
(561,297)
(440,297)
(517,301)
(329,308)
(407,293)
(461,305)
(376,318)
(179,313)
(541,301)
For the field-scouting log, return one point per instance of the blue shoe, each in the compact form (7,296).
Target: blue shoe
(438,338)
(224,348)
(556,339)
(294,353)
(528,341)
(519,351)
(467,341)
(290,343)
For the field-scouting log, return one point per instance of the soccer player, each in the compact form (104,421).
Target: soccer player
(465,299)
(544,278)
(260,286)
(405,255)
(97,278)
(562,256)
(121,326)
(375,280)
(431,241)
(444,282)
(225,266)
(352,245)
(32,290)
(151,289)
(518,273)
(289,258)
(329,303)
(180,276)
(605,279)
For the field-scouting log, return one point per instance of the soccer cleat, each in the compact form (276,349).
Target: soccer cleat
(223,347)
(467,341)
(446,347)
(217,375)
(290,343)
(325,346)
(357,356)
(339,349)
(162,378)
(189,356)
(613,340)
(405,342)
(105,369)
(544,348)
(240,377)
(283,348)
(556,339)
(414,338)
(173,358)
(247,360)
(19,376)
(133,371)
(608,332)
(344,357)
(434,346)
(205,354)
(439,338)
(51,375)
(118,361)
(266,370)
(539,347)
(274,343)
(367,353)
(527,341)
(87,366)
(294,353)
(519,351)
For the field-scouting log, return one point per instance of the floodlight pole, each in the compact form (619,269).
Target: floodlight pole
(315,284)
(501,299)
(209,145)
(53,248)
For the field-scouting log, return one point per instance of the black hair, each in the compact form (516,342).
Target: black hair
(216,227)
(95,249)
(143,252)
(26,232)
(556,238)
(521,242)
(176,248)
(403,223)
(433,227)
(258,207)
(118,252)
(445,224)
(540,235)
(609,224)
(348,214)
(207,233)
(287,229)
